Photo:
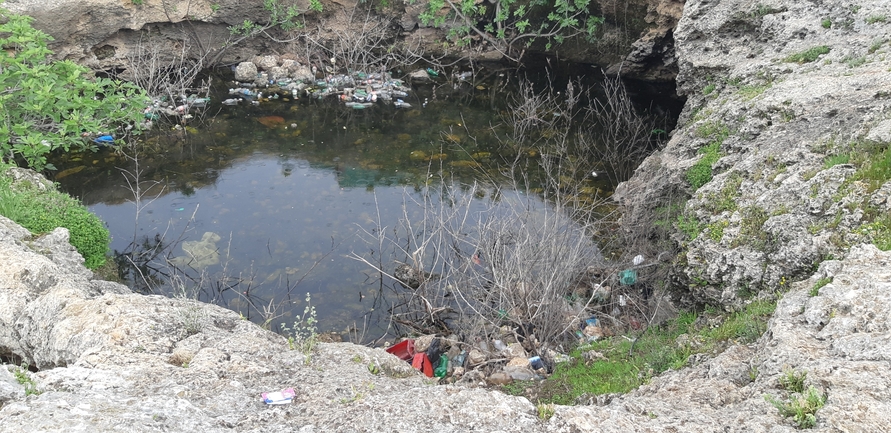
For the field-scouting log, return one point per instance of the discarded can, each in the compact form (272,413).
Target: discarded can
(536,363)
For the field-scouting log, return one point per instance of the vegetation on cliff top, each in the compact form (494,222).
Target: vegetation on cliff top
(47,105)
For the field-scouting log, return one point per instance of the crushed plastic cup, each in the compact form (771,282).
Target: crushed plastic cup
(279,397)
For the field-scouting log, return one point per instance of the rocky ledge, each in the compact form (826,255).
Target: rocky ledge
(109,360)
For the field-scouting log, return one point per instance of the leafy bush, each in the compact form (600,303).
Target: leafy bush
(512,25)
(42,211)
(49,105)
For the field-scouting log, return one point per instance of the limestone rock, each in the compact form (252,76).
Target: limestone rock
(266,62)
(246,72)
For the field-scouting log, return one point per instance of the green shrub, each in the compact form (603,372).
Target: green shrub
(808,56)
(49,105)
(42,211)
(800,407)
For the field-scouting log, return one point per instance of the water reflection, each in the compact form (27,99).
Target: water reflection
(260,205)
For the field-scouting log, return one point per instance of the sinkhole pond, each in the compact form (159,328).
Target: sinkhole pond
(252,207)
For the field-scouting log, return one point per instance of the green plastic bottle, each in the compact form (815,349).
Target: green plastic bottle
(443,368)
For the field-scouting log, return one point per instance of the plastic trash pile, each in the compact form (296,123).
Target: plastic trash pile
(179,107)
(357,90)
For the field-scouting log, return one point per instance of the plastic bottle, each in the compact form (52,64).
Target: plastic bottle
(442,367)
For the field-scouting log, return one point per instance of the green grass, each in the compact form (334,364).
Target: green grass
(701,172)
(690,226)
(872,19)
(819,285)
(793,381)
(726,199)
(750,228)
(826,23)
(832,161)
(716,230)
(878,232)
(42,211)
(809,55)
(875,168)
(656,350)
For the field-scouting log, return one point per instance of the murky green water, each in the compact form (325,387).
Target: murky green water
(259,205)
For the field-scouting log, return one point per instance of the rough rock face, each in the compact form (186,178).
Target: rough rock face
(110,359)
(773,210)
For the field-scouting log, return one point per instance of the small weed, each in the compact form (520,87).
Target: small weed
(356,358)
(854,62)
(42,211)
(716,230)
(137,2)
(707,90)
(801,407)
(750,228)
(878,232)
(832,161)
(713,129)
(751,91)
(726,199)
(24,379)
(876,167)
(872,19)
(826,23)
(303,336)
(753,372)
(793,381)
(545,411)
(809,55)
(819,285)
(690,226)
(214,7)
